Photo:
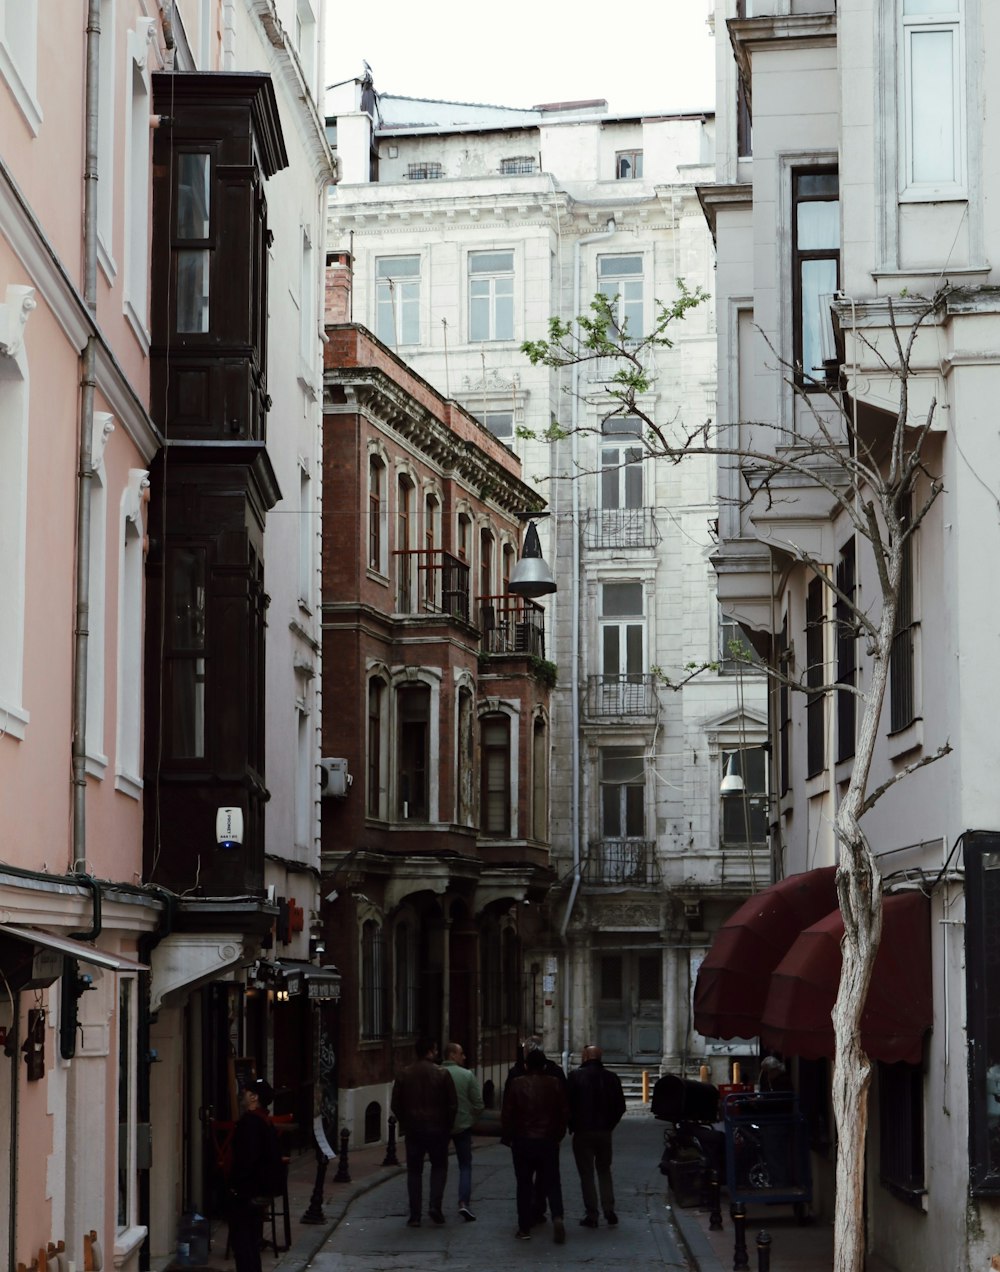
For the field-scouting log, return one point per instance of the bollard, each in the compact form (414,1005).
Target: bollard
(390,1149)
(741,1259)
(343,1175)
(645,1086)
(763,1252)
(714,1201)
(315,1212)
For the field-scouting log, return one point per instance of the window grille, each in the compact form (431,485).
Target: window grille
(424,171)
(520,165)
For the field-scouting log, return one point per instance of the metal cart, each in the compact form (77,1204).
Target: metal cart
(767,1150)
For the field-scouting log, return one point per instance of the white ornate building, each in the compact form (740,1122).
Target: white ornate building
(467,227)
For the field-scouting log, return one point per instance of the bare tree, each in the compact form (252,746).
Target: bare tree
(882,486)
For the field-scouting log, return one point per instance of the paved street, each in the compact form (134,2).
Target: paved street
(373,1236)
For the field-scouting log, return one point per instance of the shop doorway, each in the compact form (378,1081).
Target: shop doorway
(629,999)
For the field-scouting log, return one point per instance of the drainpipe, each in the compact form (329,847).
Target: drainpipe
(574,692)
(85,470)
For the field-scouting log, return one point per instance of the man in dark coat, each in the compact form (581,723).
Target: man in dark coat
(518,1070)
(533,1122)
(255,1174)
(596,1106)
(424,1101)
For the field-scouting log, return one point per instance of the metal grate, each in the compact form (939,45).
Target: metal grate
(622,863)
(621,528)
(630,694)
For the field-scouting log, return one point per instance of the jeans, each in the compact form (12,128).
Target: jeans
(463,1155)
(592,1149)
(434,1145)
(531,1155)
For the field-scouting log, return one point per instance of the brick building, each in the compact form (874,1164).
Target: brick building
(435,727)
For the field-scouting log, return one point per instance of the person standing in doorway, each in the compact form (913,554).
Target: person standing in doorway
(425,1103)
(470,1108)
(533,1123)
(596,1106)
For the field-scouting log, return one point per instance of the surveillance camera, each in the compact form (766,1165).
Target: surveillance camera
(229,827)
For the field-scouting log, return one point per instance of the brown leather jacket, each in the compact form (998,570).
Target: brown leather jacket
(424,1098)
(534,1107)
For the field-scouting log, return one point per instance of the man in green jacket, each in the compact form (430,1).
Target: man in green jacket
(470,1108)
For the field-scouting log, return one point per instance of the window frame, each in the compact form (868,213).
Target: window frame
(377,514)
(371,981)
(375,757)
(494,297)
(902,1163)
(624,301)
(131,578)
(847,650)
(632,159)
(807,379)
(397,303)
(496,784)
(414,760)
(518,166)
(626,806)
(903,680)
(621,465)
(911,26)
(815,677)
(19,58)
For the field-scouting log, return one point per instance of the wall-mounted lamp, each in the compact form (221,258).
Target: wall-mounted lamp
(531,577)
(732,783)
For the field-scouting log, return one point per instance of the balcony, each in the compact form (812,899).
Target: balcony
(431,581)
(628,695)
(511,625)
(621,528)
(622,863)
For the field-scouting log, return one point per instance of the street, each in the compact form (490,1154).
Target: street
(373,1235)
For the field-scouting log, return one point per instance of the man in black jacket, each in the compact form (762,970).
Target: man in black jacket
(256,1174)
(596,1106)
(424,1101)
(552,1070)
(533,1122)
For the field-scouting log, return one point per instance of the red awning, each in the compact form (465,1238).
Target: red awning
(734,978)
(796,1017)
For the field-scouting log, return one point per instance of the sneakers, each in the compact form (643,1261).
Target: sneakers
(467,1214)
(558,1231)
(522,1235)
(590,1221)
(612,1219)
(435,1216)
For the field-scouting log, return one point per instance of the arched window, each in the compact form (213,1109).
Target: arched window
(405,1021)
(405,543)
(376,747)
(539,780)
(413,704)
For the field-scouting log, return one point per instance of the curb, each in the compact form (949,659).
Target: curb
(305,1248)
(696,1245)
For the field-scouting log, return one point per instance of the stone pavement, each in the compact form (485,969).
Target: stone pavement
(364,1220)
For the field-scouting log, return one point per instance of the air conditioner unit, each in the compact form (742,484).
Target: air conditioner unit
(334,779)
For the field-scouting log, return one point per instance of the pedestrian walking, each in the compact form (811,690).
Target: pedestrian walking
(425,1102)
(596,1106)
(470,1108)
(256,1175)
(518,1070)
(533,1122)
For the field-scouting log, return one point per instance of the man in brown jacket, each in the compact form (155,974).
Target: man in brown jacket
(533,1122)
(424,1101)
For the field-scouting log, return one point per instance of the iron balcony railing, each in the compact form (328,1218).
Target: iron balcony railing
(511,625)
(633,694)
(629,863)
(621,528)
(431,581)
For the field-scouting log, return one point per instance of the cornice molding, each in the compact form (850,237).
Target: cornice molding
(778,31)
(286,62)
(372,393)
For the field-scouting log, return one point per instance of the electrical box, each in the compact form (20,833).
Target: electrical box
(334,779)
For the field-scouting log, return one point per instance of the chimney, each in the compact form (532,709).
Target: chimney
(337,303)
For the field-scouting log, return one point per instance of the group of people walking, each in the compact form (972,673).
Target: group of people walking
(437,1104)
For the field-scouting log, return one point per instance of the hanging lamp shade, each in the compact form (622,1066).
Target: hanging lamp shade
(732,783)
(531,576)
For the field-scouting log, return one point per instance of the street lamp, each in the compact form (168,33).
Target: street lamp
(531,577)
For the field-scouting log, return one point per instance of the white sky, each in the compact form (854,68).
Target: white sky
(642,55)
